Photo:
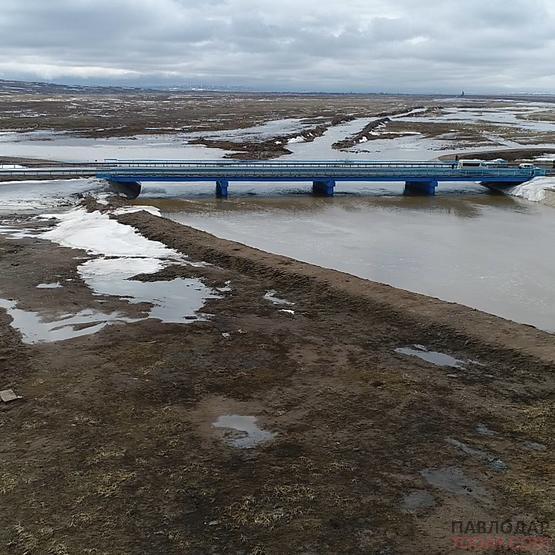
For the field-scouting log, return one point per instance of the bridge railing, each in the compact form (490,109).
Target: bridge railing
(307,171)
(116,163)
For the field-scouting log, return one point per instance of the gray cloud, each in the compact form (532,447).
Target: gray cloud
(355,45)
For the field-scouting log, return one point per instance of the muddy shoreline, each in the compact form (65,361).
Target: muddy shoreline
(113,446)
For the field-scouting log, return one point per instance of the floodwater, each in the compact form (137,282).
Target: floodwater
(64,147)
(511,116)
(466,245)
(490,252)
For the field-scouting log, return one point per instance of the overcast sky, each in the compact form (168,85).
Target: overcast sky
(341,45)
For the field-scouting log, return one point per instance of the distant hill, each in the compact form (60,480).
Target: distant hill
(38,87)
(35,87)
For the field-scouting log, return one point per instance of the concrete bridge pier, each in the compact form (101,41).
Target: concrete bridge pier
(221,188)
(131,189)
(426,188)
(323,187)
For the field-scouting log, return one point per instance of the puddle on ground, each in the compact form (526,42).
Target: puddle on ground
(176,301)
(34,329)
(453,480)
(491,460)
(56,285)
(418,500)
(243,432)
(434,357)
(271,297)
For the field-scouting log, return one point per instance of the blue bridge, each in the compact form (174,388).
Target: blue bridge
(419,177)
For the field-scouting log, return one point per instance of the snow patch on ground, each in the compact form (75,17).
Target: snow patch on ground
(132,209)
(533,190)
(98,234)
(56,285)
(271,297)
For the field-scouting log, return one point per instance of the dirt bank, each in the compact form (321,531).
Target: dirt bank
(113,447)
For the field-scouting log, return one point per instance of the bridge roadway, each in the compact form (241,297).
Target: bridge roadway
(419,177)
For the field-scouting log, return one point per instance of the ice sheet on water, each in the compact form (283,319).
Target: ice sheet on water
(99,234)
(534,190)
(34,196)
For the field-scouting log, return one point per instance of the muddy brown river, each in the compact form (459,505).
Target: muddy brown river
(490,252)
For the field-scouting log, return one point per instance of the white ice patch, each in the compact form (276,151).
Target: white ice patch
(132,209)
(33,196)
(56,285)
(98,234)
(102,198)
(226,288)
(286,311)
(271,297)
(15,233)
(533,190)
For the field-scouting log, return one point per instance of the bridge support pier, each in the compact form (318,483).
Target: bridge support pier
(323,187)
(221,188)
(131,189)
(426,188)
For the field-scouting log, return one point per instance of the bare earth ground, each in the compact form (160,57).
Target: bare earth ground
(118,113)
(149,112)
(112,448)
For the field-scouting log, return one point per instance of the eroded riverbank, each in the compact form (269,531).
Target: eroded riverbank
(297,411)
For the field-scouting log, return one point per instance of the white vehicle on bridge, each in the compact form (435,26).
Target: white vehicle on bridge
(463,164)
(497,163)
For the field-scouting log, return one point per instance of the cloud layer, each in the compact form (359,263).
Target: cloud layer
(352,45)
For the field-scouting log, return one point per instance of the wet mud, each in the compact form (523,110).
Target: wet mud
(252,429)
